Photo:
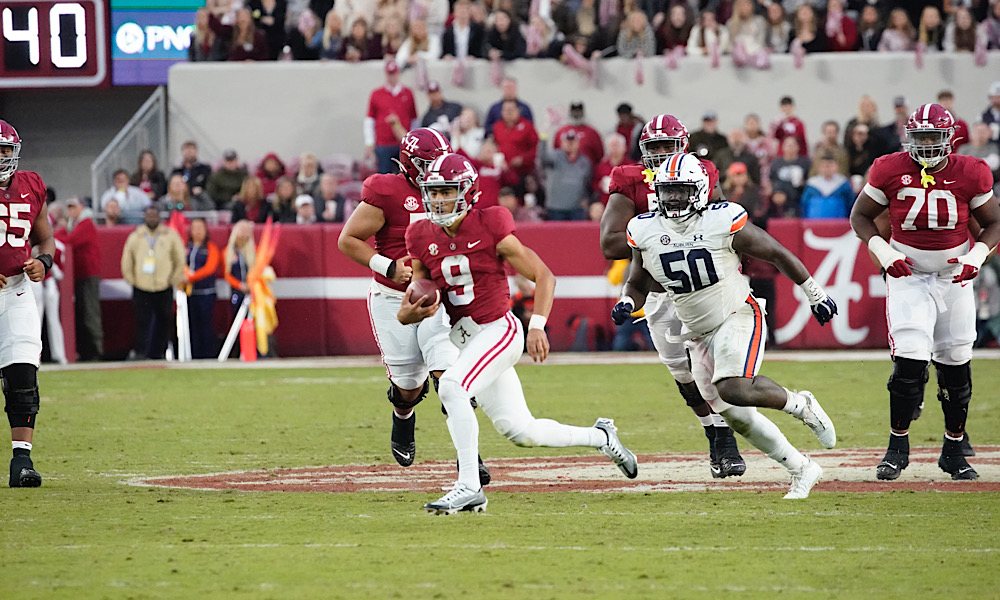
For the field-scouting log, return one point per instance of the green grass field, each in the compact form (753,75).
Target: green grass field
(86,535)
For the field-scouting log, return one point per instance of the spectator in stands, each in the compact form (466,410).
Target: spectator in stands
(433,12)
(869,29)
(305,210)
(153,264)
(361,44)
(707,141)
(778,30)
(507,198)
(947,101)
(962,33)
(148,177)
(739,188)
(788,172)
(393,36)
(508,91)
(504,40)
(246,42)
(930,30)
(239,259)
(269,17)
(676,30)
(567,184)
(179,197)
(737,151)
(867,114)
(980,146)
(225,183)
(763,146)
(332,37)
(788,125)
(205,45)
(271,169)
(199,274)
(590,140)
(391,113)
(250,204)
(307,179)
(899,35)
(494,173)
(991,116)
(195,173)
(706,35)
(779,207)
(531,192)
(862,151)
(636,38)
(615,156)
(130,200)
(466,134)
(828,194)
(419,45)
(387,11)
(807,32)
(464,38)
(841,30)
(351,11)
(516,138)
(113,213)
(894,134)
(992,26)
(440,113)
(830,144)
(305,40)
(746,28)
(80,234)
(282,201)
(329,203)
(630,127)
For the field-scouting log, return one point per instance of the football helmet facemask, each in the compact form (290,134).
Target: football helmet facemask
(417,149)
(451,180)
(663,130)
(929,132)
(681,185)
(9,139)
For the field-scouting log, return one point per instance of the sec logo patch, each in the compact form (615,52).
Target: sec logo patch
(665,240)
(906,180)
(411,204)
(432,249)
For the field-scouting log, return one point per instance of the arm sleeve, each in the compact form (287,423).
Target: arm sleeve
(211,265)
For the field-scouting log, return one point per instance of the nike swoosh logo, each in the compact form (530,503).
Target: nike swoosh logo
(892,465)
(24,196)
(404,455)
(474,244)
(19,294)
(965,470)
(946,182)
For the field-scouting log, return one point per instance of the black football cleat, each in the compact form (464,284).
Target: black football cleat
(967,449)
(23,473)
(731,464)
(953,462)
(713,455)
(892,464)
(404,447)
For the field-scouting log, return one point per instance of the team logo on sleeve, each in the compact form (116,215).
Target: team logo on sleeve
(665,240)
(906,180)
(432,249)
(411,204)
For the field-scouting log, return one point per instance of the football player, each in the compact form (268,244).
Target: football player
(389,203)
(25,224)
(632,194)
(462,249)
(930,195)
(692,249)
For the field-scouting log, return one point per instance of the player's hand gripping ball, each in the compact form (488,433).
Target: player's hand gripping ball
(424,287)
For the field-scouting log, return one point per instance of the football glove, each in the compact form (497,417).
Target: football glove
(970,262)
(895,263)
(822,306)
(620,313)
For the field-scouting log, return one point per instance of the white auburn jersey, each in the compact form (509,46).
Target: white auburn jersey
(695,262)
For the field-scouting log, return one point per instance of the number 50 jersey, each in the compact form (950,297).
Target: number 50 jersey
(695,262)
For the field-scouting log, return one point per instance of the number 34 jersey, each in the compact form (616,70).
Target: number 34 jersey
(930,224)
(695,262)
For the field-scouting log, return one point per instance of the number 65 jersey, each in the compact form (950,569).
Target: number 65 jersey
(695,262)
(930,224)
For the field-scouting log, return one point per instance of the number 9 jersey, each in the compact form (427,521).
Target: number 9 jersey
(930,215)
(695,262)
(20,204)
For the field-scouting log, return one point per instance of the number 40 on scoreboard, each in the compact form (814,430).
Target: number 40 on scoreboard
(53,43)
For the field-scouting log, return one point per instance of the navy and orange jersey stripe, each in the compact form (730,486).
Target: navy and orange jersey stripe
(756,340)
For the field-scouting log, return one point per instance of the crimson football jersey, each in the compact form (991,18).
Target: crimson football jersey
(467,268)
(935,217)
(20,204)
(401,205)
(630,180)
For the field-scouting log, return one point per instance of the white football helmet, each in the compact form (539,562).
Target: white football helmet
(681,185)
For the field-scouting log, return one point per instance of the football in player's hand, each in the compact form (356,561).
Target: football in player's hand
(424,287)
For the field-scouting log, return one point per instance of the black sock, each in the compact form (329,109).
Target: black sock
(900,443)
(22,452)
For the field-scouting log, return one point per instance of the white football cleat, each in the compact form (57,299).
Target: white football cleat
(617,451)
(804,480)
(461,497)
(815,417)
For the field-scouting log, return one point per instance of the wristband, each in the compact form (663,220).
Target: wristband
(883,251)
(46,260)
(627,300)
(381,265)
(537,322)
(814,293)
(976,256)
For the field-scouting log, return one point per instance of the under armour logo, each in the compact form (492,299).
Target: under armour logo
(698,238)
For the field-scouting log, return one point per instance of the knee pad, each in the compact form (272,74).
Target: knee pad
(690,393)
(906,390)
(954,383)
(20,390)
(396,396)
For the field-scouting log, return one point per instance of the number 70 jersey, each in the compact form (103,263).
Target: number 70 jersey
(695,262)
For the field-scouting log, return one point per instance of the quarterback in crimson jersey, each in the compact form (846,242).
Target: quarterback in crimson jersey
(632,194)
(462,249)
(25,224)
(930,195)
(389,203)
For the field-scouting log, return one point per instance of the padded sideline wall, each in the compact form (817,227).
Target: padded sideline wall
(319,106)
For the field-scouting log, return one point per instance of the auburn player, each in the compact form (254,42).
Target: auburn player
(632,194)
(462,249)
(930,306)
(692,249)
(25,224)
(389,203)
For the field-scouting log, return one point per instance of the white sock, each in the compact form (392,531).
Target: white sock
(19,445)
(795,404)
(553,434)
(464,429)
(765,436)
(946,436)
(718,421)
(706,421)
(401,416)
